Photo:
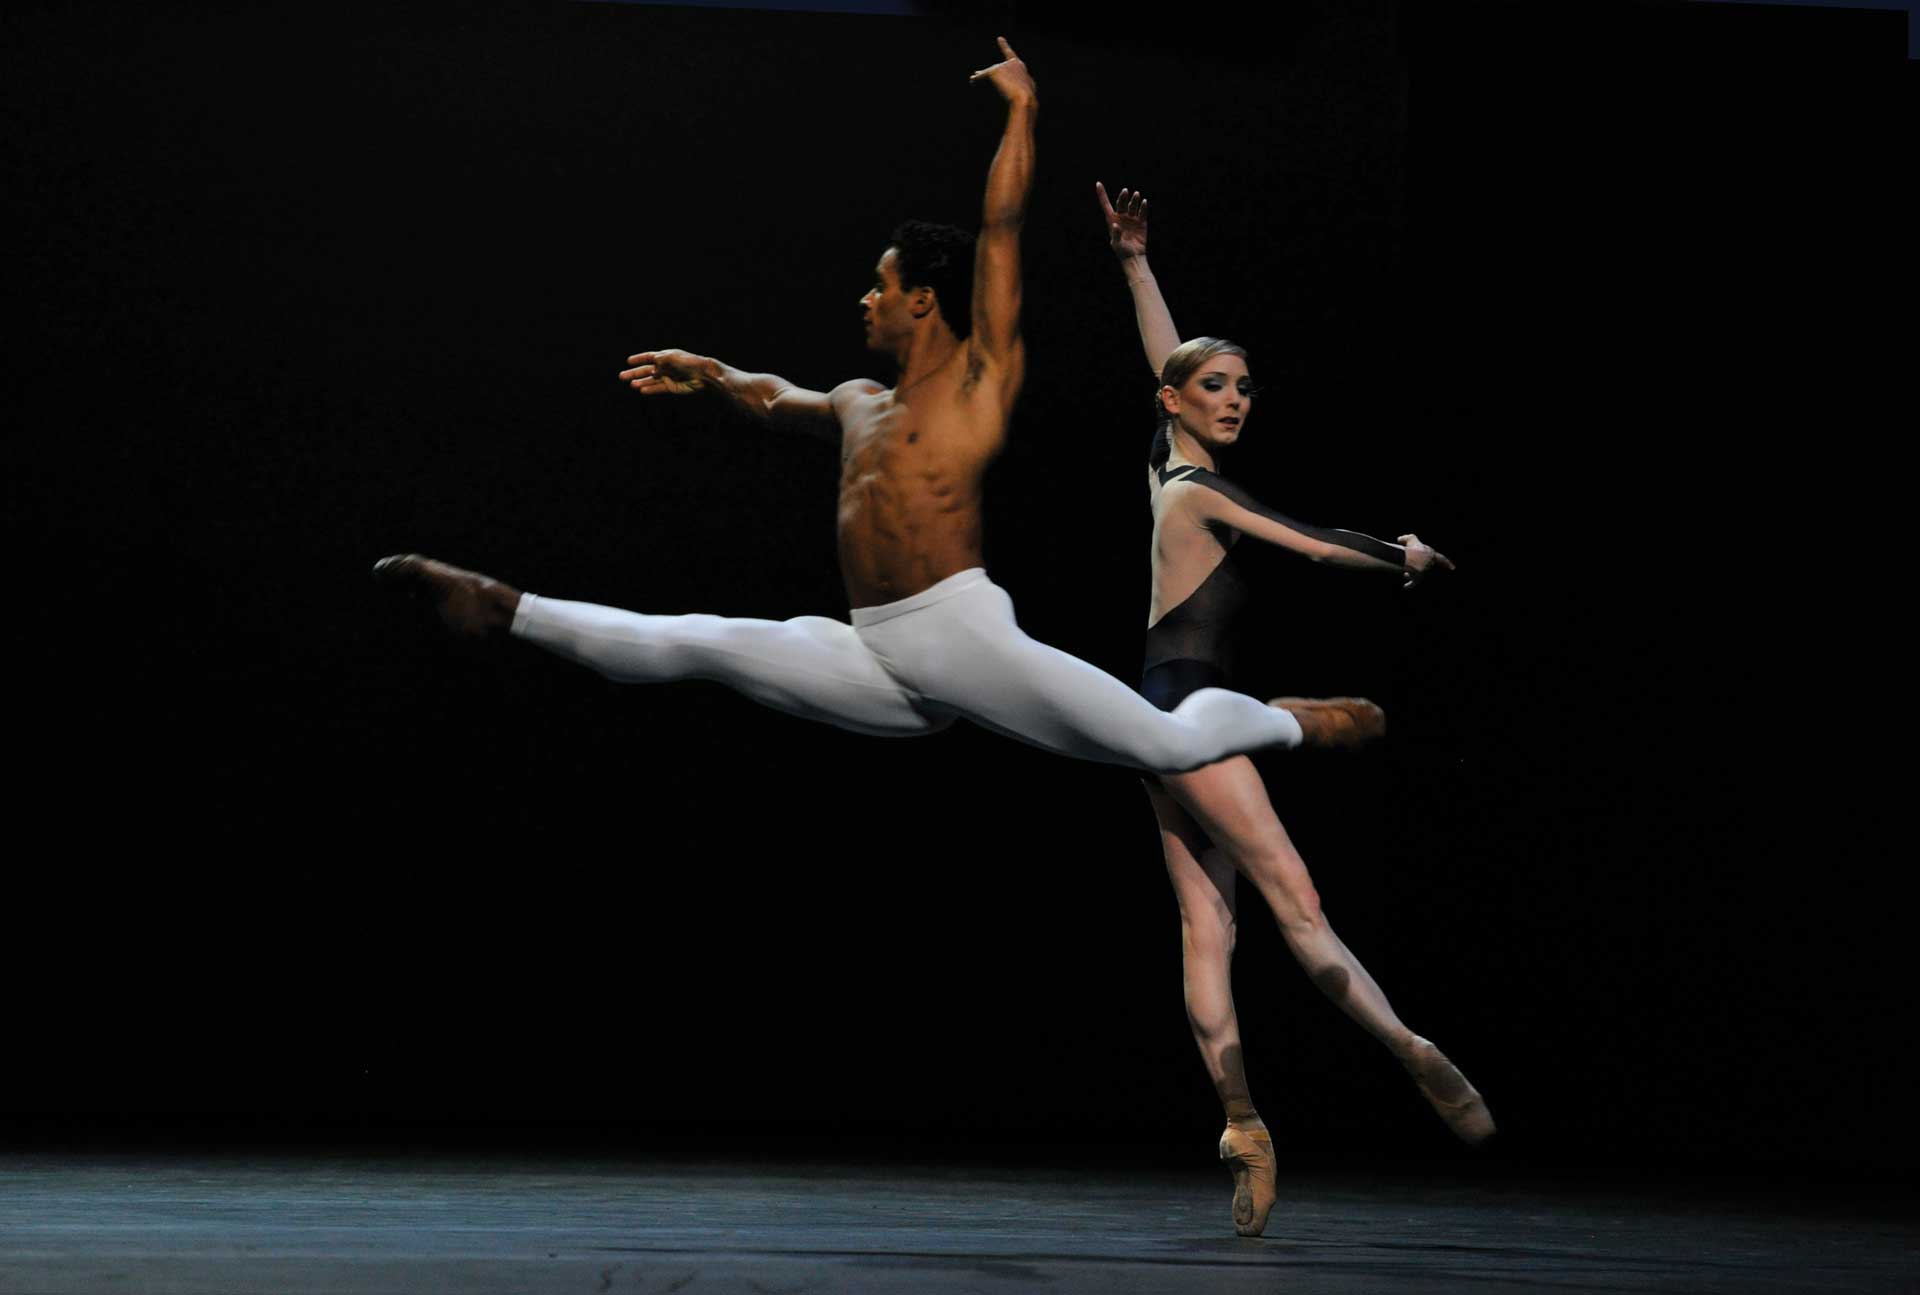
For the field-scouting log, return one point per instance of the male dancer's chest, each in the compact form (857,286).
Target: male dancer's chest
(909,508)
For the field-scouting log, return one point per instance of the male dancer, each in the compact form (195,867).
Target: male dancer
(932,638)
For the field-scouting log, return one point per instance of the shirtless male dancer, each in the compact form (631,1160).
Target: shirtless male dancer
(932,638)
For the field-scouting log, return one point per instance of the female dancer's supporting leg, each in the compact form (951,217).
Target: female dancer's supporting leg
(1217,820)
(1202,880)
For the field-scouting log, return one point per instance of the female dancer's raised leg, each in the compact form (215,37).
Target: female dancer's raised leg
(1226,804)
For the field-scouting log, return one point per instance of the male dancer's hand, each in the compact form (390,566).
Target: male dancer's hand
(676,373)
(1009,78)
(1422,561)
(1126,222)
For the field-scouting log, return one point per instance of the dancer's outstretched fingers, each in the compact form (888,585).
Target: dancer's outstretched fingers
(676,373)
(1126,222)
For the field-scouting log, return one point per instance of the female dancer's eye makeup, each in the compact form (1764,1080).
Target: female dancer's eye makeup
(1216,384)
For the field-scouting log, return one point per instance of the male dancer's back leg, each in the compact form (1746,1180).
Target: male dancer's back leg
(811,667)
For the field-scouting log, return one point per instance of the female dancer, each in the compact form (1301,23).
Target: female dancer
(1217,820)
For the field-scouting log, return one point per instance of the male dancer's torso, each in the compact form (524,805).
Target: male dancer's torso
(912,459)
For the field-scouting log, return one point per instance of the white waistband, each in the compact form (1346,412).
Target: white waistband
(957,583)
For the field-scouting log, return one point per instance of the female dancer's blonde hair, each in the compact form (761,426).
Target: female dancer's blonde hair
(1181,365)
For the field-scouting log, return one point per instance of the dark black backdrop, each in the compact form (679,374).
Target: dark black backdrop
(1591,299)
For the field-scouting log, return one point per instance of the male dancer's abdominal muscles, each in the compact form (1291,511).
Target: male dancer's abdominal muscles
(895,542)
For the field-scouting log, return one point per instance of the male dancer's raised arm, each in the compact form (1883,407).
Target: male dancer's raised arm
(996,337)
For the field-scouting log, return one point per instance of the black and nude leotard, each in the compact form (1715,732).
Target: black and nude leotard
(1190,646)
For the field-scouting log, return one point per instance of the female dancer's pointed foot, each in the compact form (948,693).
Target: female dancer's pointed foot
(1249,1154)
(472,605)
(1454,1099)
(1334,721)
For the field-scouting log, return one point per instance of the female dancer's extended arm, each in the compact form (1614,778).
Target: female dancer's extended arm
(1127,234)
(1220,502)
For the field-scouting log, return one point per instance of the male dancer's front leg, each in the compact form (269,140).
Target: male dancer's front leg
(810,667)
(1214,821)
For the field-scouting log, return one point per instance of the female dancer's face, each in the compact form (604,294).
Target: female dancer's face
(1213,403)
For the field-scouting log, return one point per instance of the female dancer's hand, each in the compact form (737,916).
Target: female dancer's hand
(1126,222)
(1422,561)
(677,373)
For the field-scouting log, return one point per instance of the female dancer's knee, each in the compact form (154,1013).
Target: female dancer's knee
(1209,940)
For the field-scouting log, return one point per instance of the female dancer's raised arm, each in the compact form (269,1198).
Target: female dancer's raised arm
(1127,234)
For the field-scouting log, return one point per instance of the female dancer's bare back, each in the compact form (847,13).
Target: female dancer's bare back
(1217,820)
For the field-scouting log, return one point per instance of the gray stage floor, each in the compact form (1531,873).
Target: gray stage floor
(94,1224)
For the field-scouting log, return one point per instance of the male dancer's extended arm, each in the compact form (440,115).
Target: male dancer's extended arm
(765,396)
(996,257)
(1127,234)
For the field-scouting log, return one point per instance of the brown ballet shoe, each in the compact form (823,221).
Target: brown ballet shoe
(1334,722)
(1454,1099)
(472,605)
(1249,1154)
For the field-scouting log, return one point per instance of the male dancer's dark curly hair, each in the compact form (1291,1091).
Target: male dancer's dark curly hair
(939,257)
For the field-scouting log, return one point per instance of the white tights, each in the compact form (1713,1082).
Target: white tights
(912,667)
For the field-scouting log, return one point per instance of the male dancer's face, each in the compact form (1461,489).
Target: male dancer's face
(889,310)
